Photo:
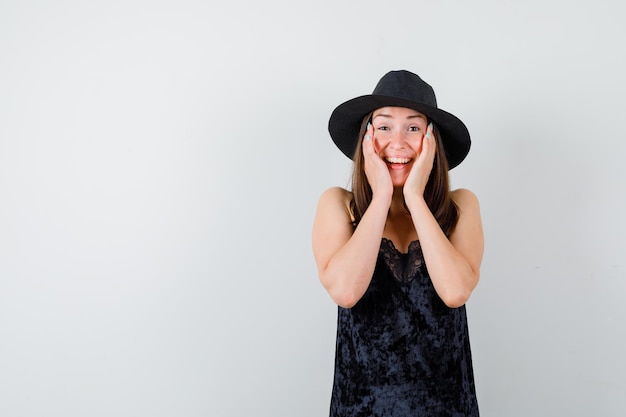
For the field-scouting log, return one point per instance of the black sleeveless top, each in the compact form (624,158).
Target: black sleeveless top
(400,350)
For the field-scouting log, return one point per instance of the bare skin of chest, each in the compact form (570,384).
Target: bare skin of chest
(400,230)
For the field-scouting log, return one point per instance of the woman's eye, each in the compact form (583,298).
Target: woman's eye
(383,128)
(414,129)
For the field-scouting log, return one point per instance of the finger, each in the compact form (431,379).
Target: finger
(429,131)
(429,143)
(368,143)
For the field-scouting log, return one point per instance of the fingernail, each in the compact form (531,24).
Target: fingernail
(367,137)
(368,125)
(430,129)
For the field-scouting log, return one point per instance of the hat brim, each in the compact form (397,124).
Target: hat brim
(346,119)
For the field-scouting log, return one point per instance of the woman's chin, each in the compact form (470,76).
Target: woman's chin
(398,181)
(399,174)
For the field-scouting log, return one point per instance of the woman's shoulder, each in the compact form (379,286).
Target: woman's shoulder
(336,198)
(337,193)
(463,194)
(464,198)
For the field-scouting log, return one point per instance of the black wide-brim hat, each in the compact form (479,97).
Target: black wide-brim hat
(399,89)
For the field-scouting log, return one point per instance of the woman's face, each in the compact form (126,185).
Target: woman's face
(398,134)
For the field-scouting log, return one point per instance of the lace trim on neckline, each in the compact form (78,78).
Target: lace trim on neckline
(403,266)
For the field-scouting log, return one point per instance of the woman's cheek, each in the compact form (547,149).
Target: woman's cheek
(377,145)
(418,147)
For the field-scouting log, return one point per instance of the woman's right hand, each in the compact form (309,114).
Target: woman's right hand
(375,168)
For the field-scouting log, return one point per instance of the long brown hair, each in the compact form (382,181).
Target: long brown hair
(436,193)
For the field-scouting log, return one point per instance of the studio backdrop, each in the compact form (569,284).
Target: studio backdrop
(160,165)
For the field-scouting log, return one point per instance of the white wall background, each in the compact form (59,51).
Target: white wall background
(160,163)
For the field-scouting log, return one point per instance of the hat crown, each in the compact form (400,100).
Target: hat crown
(406,85)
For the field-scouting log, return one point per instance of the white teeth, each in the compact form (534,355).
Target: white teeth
(398,160)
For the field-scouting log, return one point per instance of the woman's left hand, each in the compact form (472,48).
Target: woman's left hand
(420,172)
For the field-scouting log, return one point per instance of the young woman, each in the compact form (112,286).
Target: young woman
(400,255)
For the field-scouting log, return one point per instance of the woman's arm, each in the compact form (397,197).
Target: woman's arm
(453,264)
(346,257)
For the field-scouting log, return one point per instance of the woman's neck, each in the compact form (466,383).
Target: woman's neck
(397,206)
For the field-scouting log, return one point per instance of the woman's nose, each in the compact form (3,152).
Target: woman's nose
(398,140)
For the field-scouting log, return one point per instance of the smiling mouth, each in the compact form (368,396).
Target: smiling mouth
(397,160)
